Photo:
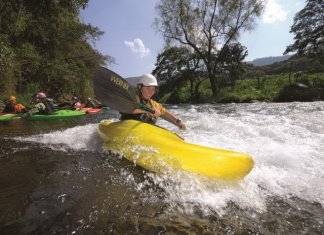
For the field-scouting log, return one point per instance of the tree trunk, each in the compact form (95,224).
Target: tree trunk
(191,86)
(213,84)
(196,95)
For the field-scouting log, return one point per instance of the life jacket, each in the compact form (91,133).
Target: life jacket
(76,105)
(144,117)
(90,104)
(49,106)
(19,108)
(14,108)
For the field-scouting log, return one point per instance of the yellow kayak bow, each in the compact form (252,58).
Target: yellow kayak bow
(161,151)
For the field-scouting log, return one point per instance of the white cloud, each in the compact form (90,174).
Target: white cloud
(273,12)
(137,46)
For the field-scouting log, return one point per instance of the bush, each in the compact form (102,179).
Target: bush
(275,88)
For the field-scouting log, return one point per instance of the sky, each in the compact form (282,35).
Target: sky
(130,38)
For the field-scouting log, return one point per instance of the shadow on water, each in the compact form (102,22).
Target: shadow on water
(48,190)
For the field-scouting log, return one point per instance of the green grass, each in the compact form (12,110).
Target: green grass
(266,89)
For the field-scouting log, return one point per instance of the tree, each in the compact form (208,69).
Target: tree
(7,84)
(176,64)
(171,62)
(207,26)
(231,61)
(47,45)
(308,28)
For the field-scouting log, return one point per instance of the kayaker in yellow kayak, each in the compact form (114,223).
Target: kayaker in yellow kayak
(146,88)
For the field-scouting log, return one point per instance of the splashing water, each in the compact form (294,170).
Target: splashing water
(285,140)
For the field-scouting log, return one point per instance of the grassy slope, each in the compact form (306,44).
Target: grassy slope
(269,88)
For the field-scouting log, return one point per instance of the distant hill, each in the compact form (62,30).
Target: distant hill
(292,65)
(269,60)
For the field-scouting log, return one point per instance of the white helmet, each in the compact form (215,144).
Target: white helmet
(147,80)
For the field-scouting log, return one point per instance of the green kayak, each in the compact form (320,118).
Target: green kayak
(60,114)
(7,116)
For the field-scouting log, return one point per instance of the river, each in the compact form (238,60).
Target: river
(55,177)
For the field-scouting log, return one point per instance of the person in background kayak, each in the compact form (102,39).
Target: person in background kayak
(146,88)
(91,103)
(13,107)
(76,104)
(43,105)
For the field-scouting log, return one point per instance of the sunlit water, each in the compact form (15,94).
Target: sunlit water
(283,194)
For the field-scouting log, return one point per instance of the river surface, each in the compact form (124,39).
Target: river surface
(55,177)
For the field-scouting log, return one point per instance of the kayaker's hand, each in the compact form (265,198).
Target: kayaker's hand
(181,126)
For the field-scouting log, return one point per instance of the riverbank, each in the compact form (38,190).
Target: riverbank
(270,88)
(275,88)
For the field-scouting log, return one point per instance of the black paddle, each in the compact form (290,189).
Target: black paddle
(114,91)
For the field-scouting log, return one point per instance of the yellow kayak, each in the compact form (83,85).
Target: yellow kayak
(161,151)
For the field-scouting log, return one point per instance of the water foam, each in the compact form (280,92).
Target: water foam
(286,142)
(75,138)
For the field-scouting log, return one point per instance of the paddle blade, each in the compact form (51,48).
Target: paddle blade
(114,91)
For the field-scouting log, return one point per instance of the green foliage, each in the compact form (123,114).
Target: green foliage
(308,28)
(43,42)
(7,84)
(171,62)
(177,64)
(6,53)
(269,88)
(180,92)
(209,28)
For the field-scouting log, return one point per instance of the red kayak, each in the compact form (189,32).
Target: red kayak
(91,110)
